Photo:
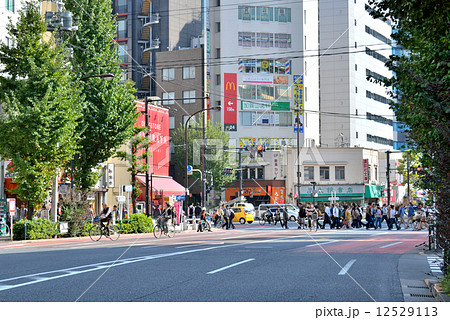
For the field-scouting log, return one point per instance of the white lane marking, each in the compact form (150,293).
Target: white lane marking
(379,234)
(392,244)
(346,267)
(319,244)
(108,264)
(230,266)
(199,244)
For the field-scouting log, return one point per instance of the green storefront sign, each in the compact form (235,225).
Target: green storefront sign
(273,106)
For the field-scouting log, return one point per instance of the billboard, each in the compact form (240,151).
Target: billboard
(158,122)
(230,101)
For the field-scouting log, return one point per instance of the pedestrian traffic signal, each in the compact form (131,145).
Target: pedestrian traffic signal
(255,150)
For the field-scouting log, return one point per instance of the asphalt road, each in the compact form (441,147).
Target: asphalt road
(250,263)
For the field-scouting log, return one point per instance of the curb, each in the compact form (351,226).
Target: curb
(436,290)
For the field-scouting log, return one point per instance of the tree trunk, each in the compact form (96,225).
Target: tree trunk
(133,193)
(30,212)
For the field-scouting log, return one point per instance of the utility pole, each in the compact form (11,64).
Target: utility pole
(388,171)
(240,174)
(407,173)
(147,158)
(297,120)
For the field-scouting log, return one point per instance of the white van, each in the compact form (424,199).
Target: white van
(291,209)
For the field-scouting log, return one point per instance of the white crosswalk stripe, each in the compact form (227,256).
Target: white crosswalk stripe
(435,264)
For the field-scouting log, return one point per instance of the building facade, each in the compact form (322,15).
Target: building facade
(149,26)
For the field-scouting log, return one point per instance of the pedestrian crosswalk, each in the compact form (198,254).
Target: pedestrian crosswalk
(435,264)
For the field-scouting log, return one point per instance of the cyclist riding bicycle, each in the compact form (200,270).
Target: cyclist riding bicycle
(105,216)
(269,216)
(166,215)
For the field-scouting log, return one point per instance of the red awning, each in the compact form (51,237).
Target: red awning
(163,185)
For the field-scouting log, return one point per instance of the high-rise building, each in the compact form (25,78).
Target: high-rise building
(354,46)
(149,26)
(261,72)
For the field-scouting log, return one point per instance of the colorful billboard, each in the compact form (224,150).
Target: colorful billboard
(158,122)
(230,101)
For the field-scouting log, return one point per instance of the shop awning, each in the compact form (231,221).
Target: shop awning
(163,185)
(324,198)
(372,191)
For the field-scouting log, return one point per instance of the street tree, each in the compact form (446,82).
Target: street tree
(216,157)
(40,106)
(135,155)
(420,88)
(110,112)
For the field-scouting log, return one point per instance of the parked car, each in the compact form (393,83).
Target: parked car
(242,215)
(291,209)
(250,208)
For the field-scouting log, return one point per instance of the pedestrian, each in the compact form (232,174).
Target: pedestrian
(378,215)
(277,217)
(385,215)
(354,214)
(410,215)
(90,213)
(115,213)
(156,211)
(335,217)
(392,220)
(327,216)
(310,211)
(219,215)
(197,211)
(285,218)
(191,211)
(226,216)
(347,216)
(301,217)
(232,215)
(370,217)
(402,215)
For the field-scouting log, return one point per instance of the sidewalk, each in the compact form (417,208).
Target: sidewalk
(417,278)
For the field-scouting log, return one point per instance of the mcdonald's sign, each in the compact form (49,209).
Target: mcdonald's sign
(230,102)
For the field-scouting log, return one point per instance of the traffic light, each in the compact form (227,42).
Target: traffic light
(416,170)
(261,149)
(227,171)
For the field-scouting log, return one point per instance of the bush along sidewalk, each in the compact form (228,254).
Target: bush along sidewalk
(34,229)
(137,223)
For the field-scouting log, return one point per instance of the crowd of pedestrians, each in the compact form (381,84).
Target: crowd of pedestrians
(355,216)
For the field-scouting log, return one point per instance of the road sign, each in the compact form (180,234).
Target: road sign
(179,198)
(189,170)
(120,198)
(128,188)
(12,206)
(333,198)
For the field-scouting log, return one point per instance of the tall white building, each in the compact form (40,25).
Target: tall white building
(8,10)
(354,111)
(258,50)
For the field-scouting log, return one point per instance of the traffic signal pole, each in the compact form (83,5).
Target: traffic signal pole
(388,171)
(240,173)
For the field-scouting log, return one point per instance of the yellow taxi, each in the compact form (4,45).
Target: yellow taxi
(242,215)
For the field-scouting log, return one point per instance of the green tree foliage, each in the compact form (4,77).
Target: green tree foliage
(217,158)
(110,112)
(421,92)
(41,107)
(135,157)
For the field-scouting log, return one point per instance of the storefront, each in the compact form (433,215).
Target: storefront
(332,193)
(259,192)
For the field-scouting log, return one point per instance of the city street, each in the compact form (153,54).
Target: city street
(250,263)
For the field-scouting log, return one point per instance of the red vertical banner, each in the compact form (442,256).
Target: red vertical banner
(230,101)
(366,170)
(208,112)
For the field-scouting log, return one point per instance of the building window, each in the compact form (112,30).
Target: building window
(376,174)
(218,79)
(260,173)
(309,173)
(264,40)
(171,122)
(192,120)
(356,134)
(189,96)
(217,53)
(304,16)
(188,72)
(167,98)
(283,14)
(339,173)
(217,26)
(282,40)
(122,6)
(122,29)
(246,13)
(246,39)
(123,53)
(264,14)
(324,173)
(9,5)
(252,173)
(168,74)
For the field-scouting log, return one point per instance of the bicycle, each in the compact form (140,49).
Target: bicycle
(4,229)
(111,232)
(219,223)
(160,228)
(265,218)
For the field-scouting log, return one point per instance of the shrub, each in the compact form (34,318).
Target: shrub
(35,229)
(138,223)
(445,284)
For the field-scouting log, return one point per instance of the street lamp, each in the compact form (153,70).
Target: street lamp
(186,155)
(298,124)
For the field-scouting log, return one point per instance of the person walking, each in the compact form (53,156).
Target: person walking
(226,216)
(402,215)
(277,217)
(385,210)
(232,215)
(355,214)
(347,217)
(301,217)
(410,215)
(285,219)
(378,214)
(392,220)
(335,217)
(327,217)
